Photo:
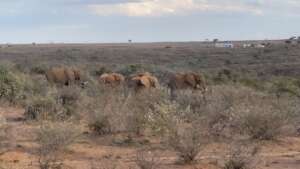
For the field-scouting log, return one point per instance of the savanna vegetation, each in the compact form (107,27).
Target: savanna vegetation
(251,99)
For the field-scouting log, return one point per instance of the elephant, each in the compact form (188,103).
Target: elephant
(143,81)
(111,79)
(63,76)
(180,81)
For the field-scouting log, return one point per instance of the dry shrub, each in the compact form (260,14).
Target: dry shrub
(262,116)
(262,123)
(241,111)
(3,134)
(114,111)
(104,164)
(181,127)
(54,104)
(53,140)
(241,156)
(146,159)
(187,140)
(40,108)
(69,98)
(161,117)
(221,110)
(107,112)
(140,107)
(191,98)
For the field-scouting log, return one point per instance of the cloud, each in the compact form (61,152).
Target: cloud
(174,7)
(151,8)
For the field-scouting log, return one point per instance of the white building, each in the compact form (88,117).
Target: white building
(259,46)
(224,45)
(247,45)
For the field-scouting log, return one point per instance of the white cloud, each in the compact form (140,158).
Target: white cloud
(172,7)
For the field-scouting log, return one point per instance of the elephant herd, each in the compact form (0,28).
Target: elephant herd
(140,81)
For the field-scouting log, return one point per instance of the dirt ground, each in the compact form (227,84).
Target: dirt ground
(88,151)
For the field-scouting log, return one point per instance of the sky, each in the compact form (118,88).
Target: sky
(93,21)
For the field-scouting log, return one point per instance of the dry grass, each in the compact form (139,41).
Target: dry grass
(53,140)
(147,159)
(239,106)
(187,142)
(242,156)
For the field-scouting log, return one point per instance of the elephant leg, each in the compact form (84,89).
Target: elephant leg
(173,94)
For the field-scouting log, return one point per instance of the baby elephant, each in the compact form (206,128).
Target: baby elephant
(111,79)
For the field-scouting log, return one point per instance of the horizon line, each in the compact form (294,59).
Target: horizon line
(135,42)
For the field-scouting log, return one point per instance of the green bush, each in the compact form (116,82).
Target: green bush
(55,104)
(131,69)
(101,70)
(288,86)
(39,69)
(253,83)
(10,86)
(225,76)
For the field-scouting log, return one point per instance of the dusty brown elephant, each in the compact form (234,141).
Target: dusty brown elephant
(143,81)
(111,79)
(64,76)
(192,81)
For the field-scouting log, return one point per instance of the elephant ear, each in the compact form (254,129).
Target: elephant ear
(190,79)
(117,77)
(154,82)
(104,75)
(69,74)
(144,81)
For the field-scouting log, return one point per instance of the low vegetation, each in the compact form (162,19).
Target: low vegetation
(241,156)
(147,159)
(53,140)
(238,106)
(11,85)
(187,142)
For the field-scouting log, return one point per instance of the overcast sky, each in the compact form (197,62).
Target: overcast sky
(25,21)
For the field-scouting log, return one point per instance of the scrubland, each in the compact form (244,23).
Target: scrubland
(249,118)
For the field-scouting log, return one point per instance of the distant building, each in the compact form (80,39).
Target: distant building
(259,46)
(224,45)
(247,45)
(256,45)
